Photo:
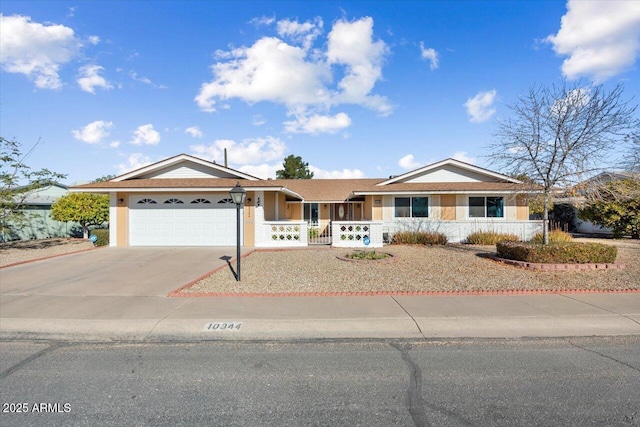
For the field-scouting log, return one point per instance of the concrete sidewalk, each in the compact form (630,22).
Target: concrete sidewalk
(157,318)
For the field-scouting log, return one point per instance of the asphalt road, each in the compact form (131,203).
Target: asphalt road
(564,382)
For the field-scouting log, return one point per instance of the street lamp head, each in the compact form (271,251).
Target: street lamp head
(238,194)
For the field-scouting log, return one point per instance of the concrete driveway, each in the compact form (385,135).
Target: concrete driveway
(113,272)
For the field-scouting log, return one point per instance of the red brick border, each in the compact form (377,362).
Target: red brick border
(50,256)
(399,293)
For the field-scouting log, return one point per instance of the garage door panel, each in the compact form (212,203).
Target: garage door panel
(181,224)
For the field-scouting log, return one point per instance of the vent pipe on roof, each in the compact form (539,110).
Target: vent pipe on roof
(225,158)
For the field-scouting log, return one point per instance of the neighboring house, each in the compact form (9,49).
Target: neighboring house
(185,201)
(587,227)
(37,223)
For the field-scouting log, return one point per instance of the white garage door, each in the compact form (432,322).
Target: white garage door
(178,220)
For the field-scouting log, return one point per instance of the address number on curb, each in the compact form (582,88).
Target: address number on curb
(223,326)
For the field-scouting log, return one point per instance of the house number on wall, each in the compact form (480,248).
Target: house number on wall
(223,326)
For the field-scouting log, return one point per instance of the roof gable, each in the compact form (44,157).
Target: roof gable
(183,166)
(450,170)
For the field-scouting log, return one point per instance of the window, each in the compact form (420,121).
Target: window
(412,207)
(200,201)
(173,202)
(226,201)
(147,202)
(311,212)
(486,207)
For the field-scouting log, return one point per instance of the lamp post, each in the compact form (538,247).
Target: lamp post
(238,194)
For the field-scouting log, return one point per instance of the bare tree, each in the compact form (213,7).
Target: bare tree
(558,135)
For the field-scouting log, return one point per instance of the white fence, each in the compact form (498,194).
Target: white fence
(457,231)
(281,234)
(356,234)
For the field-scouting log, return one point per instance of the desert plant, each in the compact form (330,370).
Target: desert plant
(560,253)
(366,255)
(490,238)
(555,236)
(418,238)
(103,236)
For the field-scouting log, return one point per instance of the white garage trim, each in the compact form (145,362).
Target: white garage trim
(182,220)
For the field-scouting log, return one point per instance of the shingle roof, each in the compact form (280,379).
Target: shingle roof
(312,190)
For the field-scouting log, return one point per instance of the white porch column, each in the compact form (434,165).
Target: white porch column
(113,219)
(259,219)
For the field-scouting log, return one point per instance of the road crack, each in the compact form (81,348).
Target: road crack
(415,401)
(30,359)
(605,356)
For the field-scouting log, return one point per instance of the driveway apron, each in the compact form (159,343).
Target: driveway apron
(114,272)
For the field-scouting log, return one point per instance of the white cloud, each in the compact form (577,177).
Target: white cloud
(89,78)
(600,38)
(264,171)
(304,33)
(145,80)
(351,44)
(336,174)
(263,20)
(430,55)
(464,157)
(36,50)
(298,76)
(94,132)
(194,131)
(114,144)
(408,162)
(145,135)
(480,108)
(258,120)
(94,40)
(133,162)
(318,124)
(249,151)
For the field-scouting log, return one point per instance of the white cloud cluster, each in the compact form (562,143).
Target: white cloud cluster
(290,72)
(480,108)
(133,162)
(249,151)
(431,55)
(36,50)
(463,156)
(318,124)
(408,162)
(145,135)
(336,174)
(89,78)
(601,39)
(94,132)
(194,131)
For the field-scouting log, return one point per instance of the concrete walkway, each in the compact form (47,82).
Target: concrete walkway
(97,299)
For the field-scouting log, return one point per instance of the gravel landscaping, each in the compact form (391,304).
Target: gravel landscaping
(415,268)
(27,250)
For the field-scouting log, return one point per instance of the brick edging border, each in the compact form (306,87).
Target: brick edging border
(538,266)
(400,293)
(50,256)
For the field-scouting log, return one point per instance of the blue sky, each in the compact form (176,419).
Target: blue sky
(358,89)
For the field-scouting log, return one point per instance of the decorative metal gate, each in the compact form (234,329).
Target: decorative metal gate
(319,232)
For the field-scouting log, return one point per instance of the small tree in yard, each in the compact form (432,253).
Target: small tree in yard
(294,168)
(557,135)
(84,208)
(17,181)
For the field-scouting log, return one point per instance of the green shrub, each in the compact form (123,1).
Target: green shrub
(555,236)
(558,253)
(313,232)
(103,236)
(366,255)
(418,238)
(490,238)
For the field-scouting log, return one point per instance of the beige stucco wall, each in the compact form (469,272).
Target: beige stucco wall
(522,208)
(324,211)
(377,208)
(368,208)
(448,207)
(122,213)
(249,220)
(269,206)
(294,211)
(282,212)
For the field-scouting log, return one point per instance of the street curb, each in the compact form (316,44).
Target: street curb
(50,257)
